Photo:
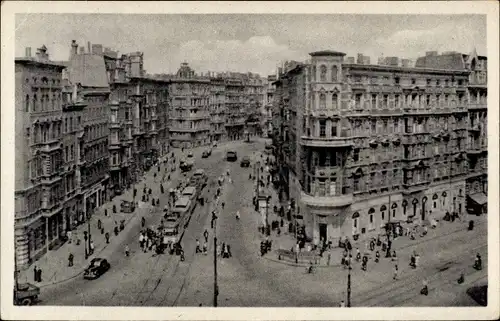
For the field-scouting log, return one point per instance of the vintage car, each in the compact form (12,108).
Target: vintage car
(96,268)
(231,156)
(127,207)
(26,294)
(205,154)
(245,162)
(190,155)
(186,165)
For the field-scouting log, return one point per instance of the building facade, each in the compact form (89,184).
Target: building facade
(218,108)
(189,115)
(254,89)
(87,71)
(363,145)
(39,172)
(267,113)
(236,106)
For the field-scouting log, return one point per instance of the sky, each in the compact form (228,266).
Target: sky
(244,42)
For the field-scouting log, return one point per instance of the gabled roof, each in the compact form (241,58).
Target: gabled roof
(454,61)
(327,53)
(88,70)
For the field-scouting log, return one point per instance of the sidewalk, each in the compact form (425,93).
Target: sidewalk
(54,264)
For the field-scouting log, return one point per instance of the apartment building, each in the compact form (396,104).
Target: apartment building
(218,108)
(267,113)
(39,185)
(254,89)
(362,145)
(236,106)
(88,72)
(189,115)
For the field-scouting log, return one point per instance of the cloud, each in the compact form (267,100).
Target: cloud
(445,37)
(258,53)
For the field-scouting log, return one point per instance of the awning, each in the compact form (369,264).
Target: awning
(479,198)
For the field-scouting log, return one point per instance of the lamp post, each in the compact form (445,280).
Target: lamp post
(388,229)
(216,287)
(349,279)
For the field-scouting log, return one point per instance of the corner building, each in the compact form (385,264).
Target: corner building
(189,115)
(39,188)
(368,144)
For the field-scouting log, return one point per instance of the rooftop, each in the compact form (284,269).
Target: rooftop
(88,70)
(326,53)
(451,61)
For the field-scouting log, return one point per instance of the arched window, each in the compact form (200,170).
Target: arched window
(394,206)
(322,101)
(334,73)
(34,102)
(355,215)
(314,73)
(27,103)
(371,211)
(335,99)
(322,73)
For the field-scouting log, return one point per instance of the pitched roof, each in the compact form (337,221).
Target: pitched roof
(88,70)
(454,61)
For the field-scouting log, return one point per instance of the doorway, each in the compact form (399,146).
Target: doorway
(323,232)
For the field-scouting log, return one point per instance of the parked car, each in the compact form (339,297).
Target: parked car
(231,156)
(96,268)
(205,154)
(26,294)
(245,162)
(186,165)
(190,155)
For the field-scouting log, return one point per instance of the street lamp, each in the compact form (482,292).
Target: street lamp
(349,279)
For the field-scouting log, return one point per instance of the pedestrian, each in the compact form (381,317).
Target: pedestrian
(70,259)
(329,258)
(162,190)
(228,247)
(218,250)
(395,277)
(143,222)
(127,250)
(198,250)
(35,274)
(99,224)
(394,256)
(39,275)
(68,235)
(91,247)
(205,235)
(205,248)
(141,240)
(342,304)
(150,191)
(223,248)
(107,237)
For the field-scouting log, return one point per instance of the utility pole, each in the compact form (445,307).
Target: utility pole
(387,230)
(216,287)
(349,280)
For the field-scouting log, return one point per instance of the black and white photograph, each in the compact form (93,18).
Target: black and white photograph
(259,159)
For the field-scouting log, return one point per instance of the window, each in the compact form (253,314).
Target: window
(72,152)
(355,155)
(396,101)
(322,73)
(374,126)
(396,80)
(413,81)
(314,73)
(334,129)
(334,101)
(438,82)
(386,101)
(396,125)
(322,101)
(34,102)
(374,101)
(27,104)
(334,73)
(428,81)
(322,128)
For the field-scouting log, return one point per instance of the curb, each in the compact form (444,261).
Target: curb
(398,248)
(96,255)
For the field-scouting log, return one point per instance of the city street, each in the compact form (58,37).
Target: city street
(144,279)
(247,279)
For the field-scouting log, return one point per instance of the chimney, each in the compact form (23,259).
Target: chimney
(28,51)
(89,48)
(74,48)
(360,59)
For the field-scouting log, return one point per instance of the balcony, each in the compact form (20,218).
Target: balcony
(311,141)
(50,146)
(114,125)
(326,201)
(478,106)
